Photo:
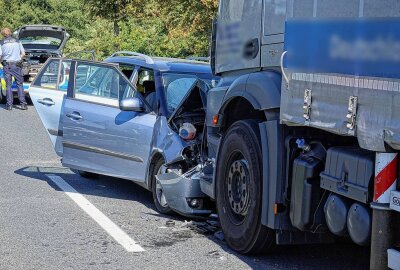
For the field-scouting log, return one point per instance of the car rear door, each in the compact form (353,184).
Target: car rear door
(98,136)
(47,94)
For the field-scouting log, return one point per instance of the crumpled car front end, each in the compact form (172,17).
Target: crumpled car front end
(183,193)
(182,140)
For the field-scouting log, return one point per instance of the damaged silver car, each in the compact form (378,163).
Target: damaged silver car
(152,123)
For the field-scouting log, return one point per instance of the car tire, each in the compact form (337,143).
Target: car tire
(3,98)
(239,190)
(88,175)
(158,198)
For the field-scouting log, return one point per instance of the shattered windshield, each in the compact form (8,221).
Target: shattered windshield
(176,86)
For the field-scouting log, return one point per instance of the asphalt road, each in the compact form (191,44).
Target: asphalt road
(43,228)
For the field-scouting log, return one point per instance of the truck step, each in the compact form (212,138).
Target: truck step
(393,259)
(395,200)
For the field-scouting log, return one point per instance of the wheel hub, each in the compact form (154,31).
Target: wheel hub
(238,193)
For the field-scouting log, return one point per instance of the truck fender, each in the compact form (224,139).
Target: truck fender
(261,89)
(236,89)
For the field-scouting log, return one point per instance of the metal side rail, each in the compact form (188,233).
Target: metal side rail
(394,254)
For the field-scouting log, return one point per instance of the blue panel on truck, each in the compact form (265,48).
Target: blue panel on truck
(362,47)
(343,73)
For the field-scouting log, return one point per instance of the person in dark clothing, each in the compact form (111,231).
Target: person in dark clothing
(11,53)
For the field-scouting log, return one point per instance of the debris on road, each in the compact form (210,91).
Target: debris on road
(170,223)
(206,227)
(216,254)
(145,218)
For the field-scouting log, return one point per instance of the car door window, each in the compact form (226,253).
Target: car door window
(146,86)
(64,72)
(145,83)
(54,75)
(127,70)
(48,76)
(101,84)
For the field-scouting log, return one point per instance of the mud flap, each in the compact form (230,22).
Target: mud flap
(271,144)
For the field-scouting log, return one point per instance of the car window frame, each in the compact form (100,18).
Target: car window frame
(72,83)
(135,81)
(134,68)
(43,69)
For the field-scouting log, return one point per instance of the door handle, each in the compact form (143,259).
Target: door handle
(46,101)
(74,116)
(251,49)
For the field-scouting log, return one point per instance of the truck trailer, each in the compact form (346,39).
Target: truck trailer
(303,129)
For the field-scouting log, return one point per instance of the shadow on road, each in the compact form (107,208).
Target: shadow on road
(101,186)
(330,256)
(323,256)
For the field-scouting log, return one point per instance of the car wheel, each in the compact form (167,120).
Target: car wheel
(3,99)
(239,190)
(158,195)
(88,175)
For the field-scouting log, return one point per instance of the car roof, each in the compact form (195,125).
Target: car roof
(164,64)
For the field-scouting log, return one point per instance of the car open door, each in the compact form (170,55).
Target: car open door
(99,137)
(47,93)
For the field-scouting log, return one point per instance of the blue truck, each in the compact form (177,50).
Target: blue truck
(303,127)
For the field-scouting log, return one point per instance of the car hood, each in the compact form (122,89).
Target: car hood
(42,37)
(196,97)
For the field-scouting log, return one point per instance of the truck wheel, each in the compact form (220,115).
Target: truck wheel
(158,195)
(239,190)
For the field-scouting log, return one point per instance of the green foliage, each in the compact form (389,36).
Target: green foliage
(175,28)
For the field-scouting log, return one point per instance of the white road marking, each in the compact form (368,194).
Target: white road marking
(110,227)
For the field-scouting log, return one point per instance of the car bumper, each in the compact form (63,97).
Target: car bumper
(181,190)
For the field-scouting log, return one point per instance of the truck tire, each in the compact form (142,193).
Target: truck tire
(159,201)
(239,190)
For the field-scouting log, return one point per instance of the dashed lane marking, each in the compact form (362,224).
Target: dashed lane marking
(110,227)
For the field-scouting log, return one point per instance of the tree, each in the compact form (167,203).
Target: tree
(175,28)
(114,11)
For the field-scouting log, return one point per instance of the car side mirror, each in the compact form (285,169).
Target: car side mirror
(131,104)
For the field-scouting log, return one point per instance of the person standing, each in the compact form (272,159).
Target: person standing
(11,53)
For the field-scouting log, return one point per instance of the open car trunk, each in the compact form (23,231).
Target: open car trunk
(40,43)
